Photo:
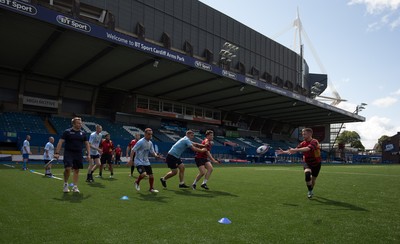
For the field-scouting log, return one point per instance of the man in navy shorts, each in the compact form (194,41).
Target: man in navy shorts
(75,139)
(173,158)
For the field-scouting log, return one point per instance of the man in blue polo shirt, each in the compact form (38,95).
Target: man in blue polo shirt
(74,139)
(173,158)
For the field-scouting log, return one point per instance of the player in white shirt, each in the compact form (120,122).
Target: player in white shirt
(26,151)
(48,155)
(95,152)
(141,151)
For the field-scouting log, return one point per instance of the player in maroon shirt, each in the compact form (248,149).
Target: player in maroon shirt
(106,157)
(311,156)
(129,151)
(203,161)
(117,155)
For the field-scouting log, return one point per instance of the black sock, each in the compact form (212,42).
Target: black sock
(132,169)
(310,188)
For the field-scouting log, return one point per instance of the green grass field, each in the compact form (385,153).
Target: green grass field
(266,204)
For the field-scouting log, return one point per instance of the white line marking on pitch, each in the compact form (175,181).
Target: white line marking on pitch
(54,177)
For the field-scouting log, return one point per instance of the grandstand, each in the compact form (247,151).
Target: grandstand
(152,66)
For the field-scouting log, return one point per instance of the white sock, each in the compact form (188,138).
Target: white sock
(182,182)
(204,181)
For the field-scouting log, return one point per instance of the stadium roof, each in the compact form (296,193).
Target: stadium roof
(35,46)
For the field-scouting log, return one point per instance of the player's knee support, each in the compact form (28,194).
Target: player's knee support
(308,176)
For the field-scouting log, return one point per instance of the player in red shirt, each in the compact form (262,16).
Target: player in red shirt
(311,156)
(203,161)
(106,158)
(117,155)
(129,151)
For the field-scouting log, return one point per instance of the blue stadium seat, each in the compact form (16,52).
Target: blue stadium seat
(22,122)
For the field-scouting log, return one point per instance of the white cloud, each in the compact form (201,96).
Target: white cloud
(377,6)
(394,24)
(384,102)
(396,92)
(374,27)
(346,80)
(371,130)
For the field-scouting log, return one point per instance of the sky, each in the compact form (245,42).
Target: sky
(356,42)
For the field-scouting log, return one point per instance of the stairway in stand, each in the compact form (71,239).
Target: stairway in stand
(49,127)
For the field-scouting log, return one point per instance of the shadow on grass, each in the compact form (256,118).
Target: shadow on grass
(111,179)
(342,205)
(96,184)
(290,204)
(153,197)
(203,193)
(72,197)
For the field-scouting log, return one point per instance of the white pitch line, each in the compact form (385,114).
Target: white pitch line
(53,177)
(11,166)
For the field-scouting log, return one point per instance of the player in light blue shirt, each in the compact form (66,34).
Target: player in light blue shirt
(26,151)
(141,151)
(48,155)
(94,158)
(173,158)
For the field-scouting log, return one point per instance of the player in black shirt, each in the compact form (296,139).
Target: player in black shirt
(75,139)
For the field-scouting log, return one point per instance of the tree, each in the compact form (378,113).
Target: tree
(352,138)
(380,142)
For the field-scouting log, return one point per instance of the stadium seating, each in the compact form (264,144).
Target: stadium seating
(22,122)
(164,137)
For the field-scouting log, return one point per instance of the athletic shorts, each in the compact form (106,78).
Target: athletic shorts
(73,160)
(46,161)
(144,168)
(172,161)
(201,161)
(314,169)
(117,158)
(25,155)
(94,156)
(106,158)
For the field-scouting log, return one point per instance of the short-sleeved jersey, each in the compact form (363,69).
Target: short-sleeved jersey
(49,148)
(204,154)
(74,140)
(132,144)
(107,146)
(180,146)
(26,148)
(142,149)
(118,151)
(95,140)
(312,157)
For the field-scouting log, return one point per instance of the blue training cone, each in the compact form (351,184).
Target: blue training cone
(224,221)
(125,198)
(71,184)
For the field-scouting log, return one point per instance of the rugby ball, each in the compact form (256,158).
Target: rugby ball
(262,149)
